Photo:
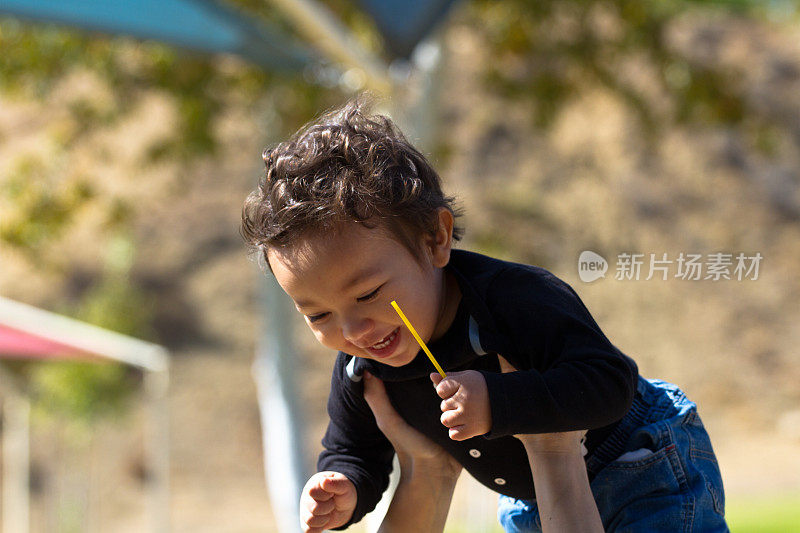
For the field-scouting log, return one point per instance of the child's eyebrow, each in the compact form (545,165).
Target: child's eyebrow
(353,281)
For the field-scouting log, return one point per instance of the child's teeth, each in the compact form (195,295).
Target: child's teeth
(385,343)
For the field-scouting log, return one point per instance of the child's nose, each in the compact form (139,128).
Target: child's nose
(356,329)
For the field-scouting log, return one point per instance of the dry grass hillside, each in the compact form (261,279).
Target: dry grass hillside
(589,183)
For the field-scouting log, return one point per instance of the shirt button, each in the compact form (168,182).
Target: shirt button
(500,481)
(475,453)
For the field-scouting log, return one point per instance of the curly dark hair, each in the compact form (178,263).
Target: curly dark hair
(345,165)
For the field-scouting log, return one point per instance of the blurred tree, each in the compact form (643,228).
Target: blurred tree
(38,208)
(690,68)
(550,51)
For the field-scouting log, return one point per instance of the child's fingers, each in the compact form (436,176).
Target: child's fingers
(318,508)
(460,433)
(328,499)
(317,520)
(319,494)
(337,484)
(448,404)
(453,418)
(446,388)
(311,521)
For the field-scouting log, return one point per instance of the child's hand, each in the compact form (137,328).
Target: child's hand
(328,501)
(465,403)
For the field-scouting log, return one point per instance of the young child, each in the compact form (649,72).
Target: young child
(350,216)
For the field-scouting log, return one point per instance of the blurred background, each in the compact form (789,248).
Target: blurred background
(616,126)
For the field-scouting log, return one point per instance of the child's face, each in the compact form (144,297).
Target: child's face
(342,283)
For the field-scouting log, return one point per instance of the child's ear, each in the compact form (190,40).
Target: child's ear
(440,243)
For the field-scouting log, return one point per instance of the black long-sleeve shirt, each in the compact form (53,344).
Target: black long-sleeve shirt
(569,377)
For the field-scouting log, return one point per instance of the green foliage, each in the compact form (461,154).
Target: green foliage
(551,51)
(114,303)
(40,208)
(82,390)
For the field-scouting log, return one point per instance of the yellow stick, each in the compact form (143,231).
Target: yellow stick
(419,340)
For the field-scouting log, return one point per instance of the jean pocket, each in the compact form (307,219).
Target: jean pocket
(645,494)
(629,462)
(635,455)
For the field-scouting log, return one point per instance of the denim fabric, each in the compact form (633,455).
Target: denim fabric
(675,487)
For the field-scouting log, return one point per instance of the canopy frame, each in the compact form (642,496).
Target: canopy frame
(84,339)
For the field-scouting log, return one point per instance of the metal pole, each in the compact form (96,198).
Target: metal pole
(156,385)
(16,462)
(416,105)
(324,31)
(282,421)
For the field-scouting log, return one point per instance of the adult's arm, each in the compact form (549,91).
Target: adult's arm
(563,493)
(353,445)
(428,474)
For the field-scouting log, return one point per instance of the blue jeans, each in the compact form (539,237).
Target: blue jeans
(670,483)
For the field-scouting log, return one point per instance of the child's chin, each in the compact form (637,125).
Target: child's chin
(395,360)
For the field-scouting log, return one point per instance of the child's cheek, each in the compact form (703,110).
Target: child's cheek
(322,338)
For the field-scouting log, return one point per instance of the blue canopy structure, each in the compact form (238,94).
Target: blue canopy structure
(404,23)
(201,25)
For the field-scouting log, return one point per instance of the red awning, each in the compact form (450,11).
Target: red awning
(16,344)
(30,333)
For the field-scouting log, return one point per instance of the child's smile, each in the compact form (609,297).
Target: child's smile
(343,282)
(386,346)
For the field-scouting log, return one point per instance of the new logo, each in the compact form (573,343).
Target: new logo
(591,266)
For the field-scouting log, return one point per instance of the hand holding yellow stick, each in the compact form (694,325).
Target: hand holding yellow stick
(419,340)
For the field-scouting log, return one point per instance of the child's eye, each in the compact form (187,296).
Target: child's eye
(370,296)
(366,298)
(314,318)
